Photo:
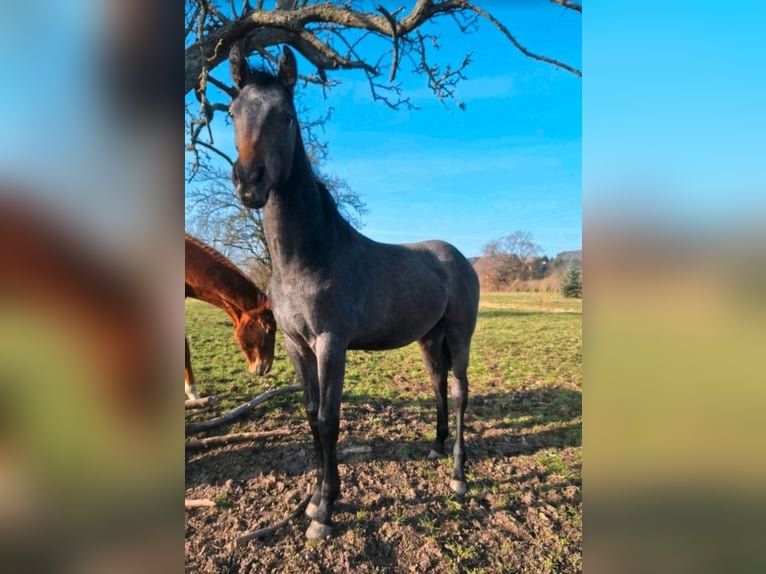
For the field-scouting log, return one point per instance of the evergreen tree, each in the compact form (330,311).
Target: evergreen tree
(572,285)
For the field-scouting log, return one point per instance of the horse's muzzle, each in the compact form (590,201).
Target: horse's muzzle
(259,367)
(251,188)
(249,197)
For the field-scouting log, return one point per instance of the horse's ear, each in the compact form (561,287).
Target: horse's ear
(288,69)
(240,69)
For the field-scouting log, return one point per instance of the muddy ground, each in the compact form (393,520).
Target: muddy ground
(522,512)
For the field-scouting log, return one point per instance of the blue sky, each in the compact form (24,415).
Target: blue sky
(511,161)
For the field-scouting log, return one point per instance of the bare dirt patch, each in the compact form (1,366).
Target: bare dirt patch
(522,512)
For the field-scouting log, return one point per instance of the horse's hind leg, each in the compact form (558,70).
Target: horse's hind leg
(436,360)
(459,351)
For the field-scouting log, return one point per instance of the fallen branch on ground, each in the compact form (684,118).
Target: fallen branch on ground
(198,503)
(268,531)
(240,410)
(200,443)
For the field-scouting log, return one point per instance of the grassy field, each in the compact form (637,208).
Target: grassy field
(523,509)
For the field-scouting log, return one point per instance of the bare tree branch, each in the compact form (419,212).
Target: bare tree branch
(394,37)
(223,440)
(268,531)
(521,48)
(241,409)
(289,26)
(571,5)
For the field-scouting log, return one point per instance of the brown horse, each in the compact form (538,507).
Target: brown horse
(212,278)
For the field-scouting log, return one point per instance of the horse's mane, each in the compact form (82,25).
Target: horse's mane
(330,207)
(262,78)
(221,259)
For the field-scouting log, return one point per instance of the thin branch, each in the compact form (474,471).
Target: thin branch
(228,90)
(441,83)
(215,150)
(200,443)
(198,503)
(571,5)
(376,96)
(264,532)
(521,48)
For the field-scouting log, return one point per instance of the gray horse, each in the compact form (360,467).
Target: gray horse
(333,289)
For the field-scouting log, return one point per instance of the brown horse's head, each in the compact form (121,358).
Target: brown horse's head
(255,332)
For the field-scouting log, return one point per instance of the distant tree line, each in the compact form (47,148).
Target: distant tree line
(514,263)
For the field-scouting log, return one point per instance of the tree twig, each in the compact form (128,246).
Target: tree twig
(200,443)
(519,47)
(241,409)
(268,531)
(198,503)
(571,5)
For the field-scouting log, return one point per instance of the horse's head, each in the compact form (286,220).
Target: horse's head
(265,127)
(255,332)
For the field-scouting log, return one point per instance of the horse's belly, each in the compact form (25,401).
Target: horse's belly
(381,344)
(394,333)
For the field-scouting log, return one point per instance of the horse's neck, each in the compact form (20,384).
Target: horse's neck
(300,229)
(233,307)
(234,294)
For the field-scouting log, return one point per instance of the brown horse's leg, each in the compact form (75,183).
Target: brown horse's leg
(189,386)
(436,360)
(331,363)
(459,351)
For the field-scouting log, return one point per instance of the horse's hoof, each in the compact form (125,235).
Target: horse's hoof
(312,510)
(433,455)
(317,530)
(458,486)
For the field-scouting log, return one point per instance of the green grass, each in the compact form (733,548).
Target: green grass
(525,368)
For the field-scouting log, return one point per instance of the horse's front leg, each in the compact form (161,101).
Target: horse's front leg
(331,363)
(189,387)
(305,364)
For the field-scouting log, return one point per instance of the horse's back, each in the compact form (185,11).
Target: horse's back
(461,276)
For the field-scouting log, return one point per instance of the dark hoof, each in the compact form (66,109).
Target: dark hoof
(458,486)
(317,530)
(312,510)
